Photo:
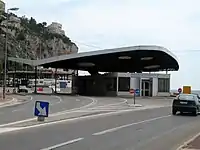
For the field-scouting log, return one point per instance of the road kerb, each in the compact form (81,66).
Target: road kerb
(183,146)
(14,102)
(7,102)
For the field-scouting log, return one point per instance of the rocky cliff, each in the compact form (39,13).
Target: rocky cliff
(32,40)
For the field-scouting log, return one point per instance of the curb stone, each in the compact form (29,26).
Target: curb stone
(185,144)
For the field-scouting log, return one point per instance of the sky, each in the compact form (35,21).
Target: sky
(101,24)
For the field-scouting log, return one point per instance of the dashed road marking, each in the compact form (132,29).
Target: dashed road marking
(63,144)
(128,125)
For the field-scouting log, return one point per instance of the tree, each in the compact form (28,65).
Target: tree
(21,36)
(1,66)
(24,21)
(44,24)
(32,21)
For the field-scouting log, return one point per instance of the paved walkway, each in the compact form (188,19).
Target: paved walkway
(6,100)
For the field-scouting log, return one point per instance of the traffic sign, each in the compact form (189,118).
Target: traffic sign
(137,91)
(132,91)
(179,90)
(41,109)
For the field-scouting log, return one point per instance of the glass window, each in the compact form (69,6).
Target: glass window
(163,85)
(124,84)
(186,97)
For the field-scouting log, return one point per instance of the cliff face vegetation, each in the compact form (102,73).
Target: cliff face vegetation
(32,40)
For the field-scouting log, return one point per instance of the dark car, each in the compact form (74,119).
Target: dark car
(186,103)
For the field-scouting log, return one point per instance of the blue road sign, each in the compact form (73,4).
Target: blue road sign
(137,91)
(41,109)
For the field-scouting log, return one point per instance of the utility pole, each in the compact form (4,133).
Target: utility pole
(6,51)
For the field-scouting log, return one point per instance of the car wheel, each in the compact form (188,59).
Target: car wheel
(174,112)
(195,113)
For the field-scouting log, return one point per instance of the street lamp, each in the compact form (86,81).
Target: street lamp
(6,50)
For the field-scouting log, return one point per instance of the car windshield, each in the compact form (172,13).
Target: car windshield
(186,97)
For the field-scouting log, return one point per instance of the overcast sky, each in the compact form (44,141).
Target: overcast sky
(99,24)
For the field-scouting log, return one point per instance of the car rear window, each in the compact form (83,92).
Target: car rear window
(187,97)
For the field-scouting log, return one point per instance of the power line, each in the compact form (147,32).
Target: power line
(88,45)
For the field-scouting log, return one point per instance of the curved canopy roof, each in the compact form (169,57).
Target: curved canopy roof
(126,59)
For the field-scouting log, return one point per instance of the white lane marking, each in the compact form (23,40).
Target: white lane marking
(72,119)
(94,101)
(21,109)
(128,125)
(78,100)
(9,103)
(4,130)
(17,110)
(113,104)
(63,144)
(60,100)
(55,114)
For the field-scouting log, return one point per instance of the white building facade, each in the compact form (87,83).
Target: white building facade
(149,84)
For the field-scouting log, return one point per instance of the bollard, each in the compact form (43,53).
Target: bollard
(40,118)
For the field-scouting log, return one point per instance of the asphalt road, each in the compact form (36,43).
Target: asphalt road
(57,104)
(152,129)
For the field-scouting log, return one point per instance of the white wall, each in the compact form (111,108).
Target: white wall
(135,83)
(163,94)
(155,87)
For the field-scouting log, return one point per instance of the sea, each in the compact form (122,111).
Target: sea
(193,91)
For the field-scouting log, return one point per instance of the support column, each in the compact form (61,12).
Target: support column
(117,88)
(55,81)
(35,91)
(14,84)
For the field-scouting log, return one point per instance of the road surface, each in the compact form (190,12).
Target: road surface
(152,129)
(57,104)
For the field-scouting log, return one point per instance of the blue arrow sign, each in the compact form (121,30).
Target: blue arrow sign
(41,109)
(137,91)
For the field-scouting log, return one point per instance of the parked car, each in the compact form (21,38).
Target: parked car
(186,103)
(22,89)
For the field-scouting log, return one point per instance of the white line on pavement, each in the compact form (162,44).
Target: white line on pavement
(128,125)
(63,144)
(60,100)
(72,119)
(3,130)
(78,100)
(94,101)
(113,104)
(17,110)
(55,114)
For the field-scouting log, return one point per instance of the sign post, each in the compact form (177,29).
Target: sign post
(132,92)
(41,110)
